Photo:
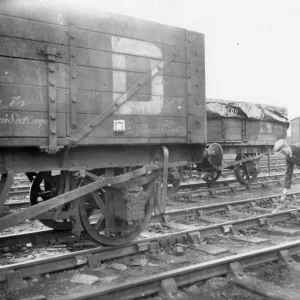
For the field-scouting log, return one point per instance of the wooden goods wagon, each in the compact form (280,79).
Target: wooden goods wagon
(246,130)
(100,111)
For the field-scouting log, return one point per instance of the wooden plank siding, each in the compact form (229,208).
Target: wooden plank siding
(35,73)
(34,98)
(42,33)
(214,130)
(112,53)
(233,129)
(56,12)
(37,10)
(139,126)
(265,132)
(12,124)
(295,130)
(257,132)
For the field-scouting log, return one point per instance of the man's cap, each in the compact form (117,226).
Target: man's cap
(279,145)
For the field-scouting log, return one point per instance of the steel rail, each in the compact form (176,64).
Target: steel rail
(79,258)
(26,188)
(187,275)
(193,211)
(15,190)
(24,191)
(227,184)
(39,237)
(232,188)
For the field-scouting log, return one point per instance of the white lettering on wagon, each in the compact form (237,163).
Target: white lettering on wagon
(139,48)
(164,129)
(267,138)
(17,119)
(14,102)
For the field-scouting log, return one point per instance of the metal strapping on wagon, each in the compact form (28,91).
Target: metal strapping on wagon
(195,87)
(128,94)
(244,130)
(224,127)
(73,70)
(51,53)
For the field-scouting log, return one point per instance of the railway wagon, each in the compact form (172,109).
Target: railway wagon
(101,112)
(246,130)
(295,131)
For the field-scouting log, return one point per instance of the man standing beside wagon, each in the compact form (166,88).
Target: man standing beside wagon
(292,157)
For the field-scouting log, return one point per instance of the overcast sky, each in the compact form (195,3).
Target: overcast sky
(252,47)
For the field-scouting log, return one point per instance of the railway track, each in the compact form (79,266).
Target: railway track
(201,212)
(210,221)
(43,236)
(191,189)
(187,236)
(204,219)
(168,283)
(22,185)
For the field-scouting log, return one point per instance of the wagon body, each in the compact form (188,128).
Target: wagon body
(101,112)
(243,127)
(73,77)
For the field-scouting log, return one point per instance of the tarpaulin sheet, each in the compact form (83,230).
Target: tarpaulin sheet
(216,108)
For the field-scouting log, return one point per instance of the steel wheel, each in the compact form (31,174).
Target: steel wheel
(211,177)
(44,187)
(245,172)
(93,214)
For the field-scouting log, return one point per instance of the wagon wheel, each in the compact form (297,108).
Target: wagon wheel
(93,212)
(44,187)
(211,177)
(245,172)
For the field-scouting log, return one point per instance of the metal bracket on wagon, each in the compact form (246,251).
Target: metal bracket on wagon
(51,53)
(162,185)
